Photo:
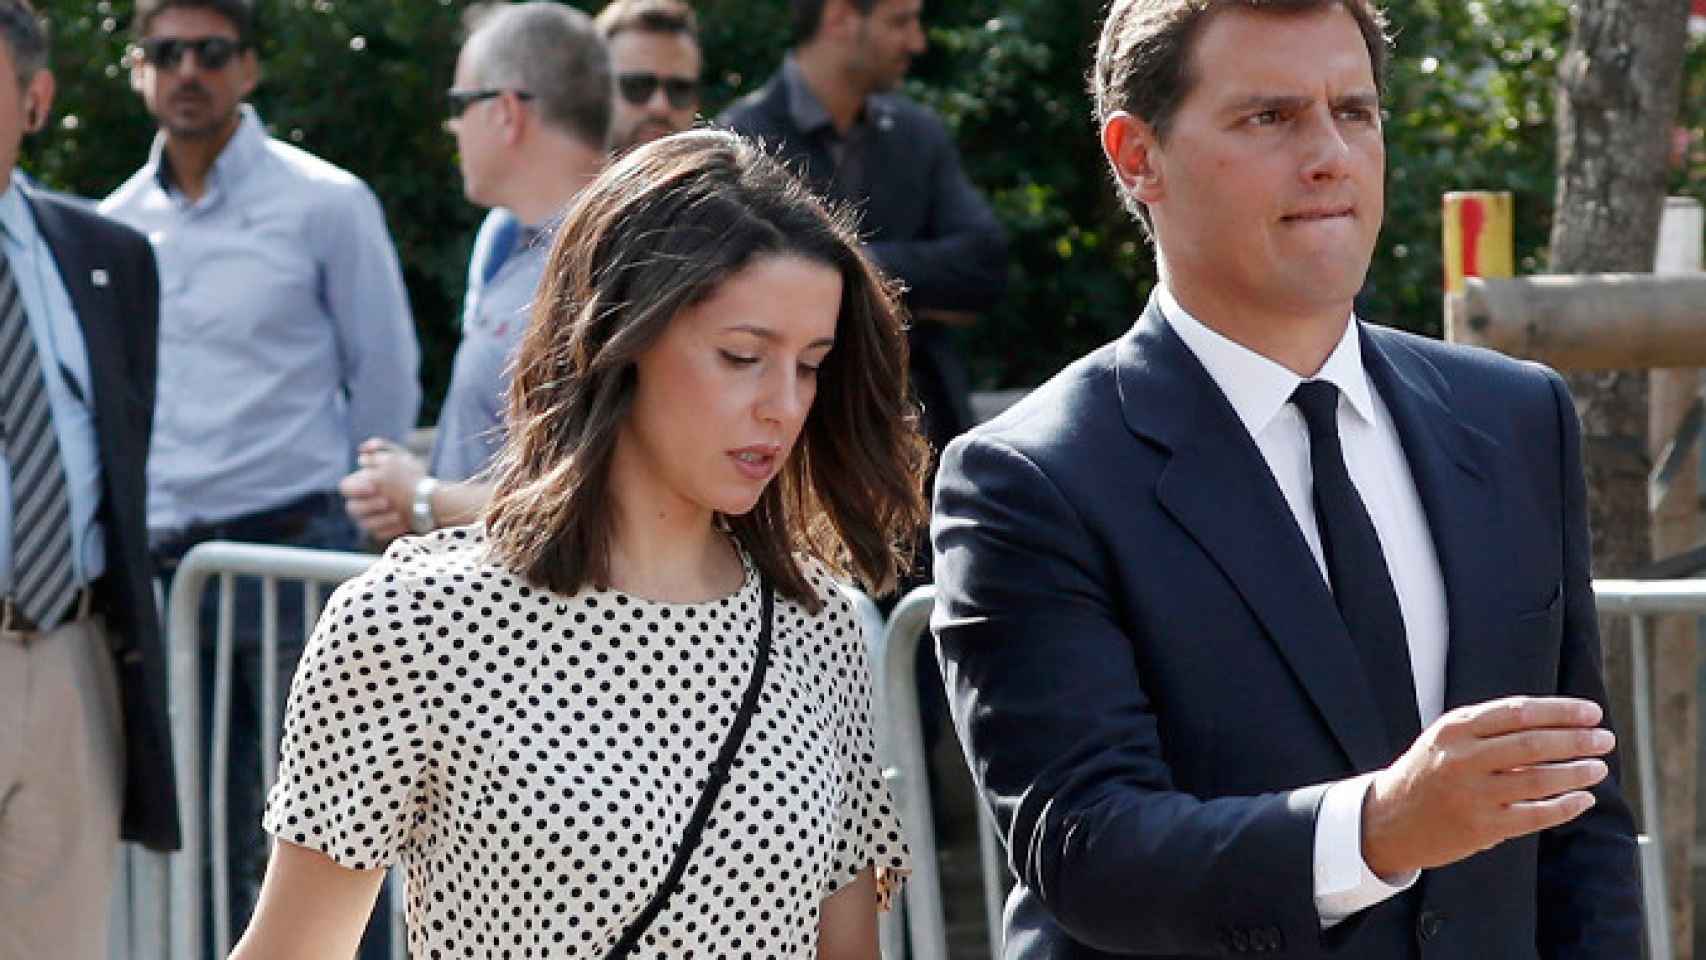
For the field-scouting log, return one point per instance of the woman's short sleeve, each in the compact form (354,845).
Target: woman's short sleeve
(353,758)
(867,829)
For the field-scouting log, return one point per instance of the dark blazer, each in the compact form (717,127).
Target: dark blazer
(108,270)
(1154,688)
(922,221)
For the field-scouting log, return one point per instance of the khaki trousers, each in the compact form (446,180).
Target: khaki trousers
(61,786)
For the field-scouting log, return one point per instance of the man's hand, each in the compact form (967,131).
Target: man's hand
(380,494)
(1481,775)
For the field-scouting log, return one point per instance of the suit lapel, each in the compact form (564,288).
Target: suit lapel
(89,287)
(1219,489)
(1453,466)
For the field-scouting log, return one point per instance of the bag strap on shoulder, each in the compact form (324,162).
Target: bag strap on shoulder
(720,770)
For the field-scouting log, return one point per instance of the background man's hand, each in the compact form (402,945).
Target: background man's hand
(381,492)
(1481,775)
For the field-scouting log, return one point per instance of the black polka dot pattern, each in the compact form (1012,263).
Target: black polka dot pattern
(532,759)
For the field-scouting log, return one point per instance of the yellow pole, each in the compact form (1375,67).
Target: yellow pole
(1478,237)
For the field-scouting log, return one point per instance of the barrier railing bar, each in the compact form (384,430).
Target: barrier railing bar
(891,926)
(1652,878)
(989,858)
(1658,918)
(269,681)
(1639,600)
(226,561)
(907,621)
(220,761)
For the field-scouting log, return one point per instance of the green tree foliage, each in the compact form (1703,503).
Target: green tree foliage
(359,82)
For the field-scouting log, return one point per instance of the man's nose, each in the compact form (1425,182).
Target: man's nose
(1328,152)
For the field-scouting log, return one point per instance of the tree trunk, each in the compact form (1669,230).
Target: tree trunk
(1618,92)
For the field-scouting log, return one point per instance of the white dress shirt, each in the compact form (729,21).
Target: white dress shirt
(285,332)
(1259,390)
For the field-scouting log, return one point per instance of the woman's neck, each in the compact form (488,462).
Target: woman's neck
(674,558)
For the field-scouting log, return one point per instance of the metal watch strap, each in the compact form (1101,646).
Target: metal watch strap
(421,519)
(630,938)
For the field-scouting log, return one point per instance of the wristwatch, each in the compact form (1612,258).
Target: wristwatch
(420,516)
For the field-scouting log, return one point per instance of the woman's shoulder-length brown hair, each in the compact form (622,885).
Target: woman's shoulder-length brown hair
(653,235)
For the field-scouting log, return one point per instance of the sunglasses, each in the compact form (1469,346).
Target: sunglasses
(460,100)
(638,88)
(213,53)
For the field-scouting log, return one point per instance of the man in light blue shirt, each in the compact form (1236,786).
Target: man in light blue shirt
(285,338)
(530,110)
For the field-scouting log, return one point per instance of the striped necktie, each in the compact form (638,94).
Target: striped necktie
(43,582)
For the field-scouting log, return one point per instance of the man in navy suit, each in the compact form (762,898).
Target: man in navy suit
(85,747)
(1267,631)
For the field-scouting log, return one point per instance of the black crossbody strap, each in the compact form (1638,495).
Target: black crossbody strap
(708,799)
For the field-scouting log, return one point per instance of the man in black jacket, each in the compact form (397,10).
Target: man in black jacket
(85,750)
(833,115)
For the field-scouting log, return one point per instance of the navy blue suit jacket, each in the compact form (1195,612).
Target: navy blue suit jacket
(1154,688)
(109,273)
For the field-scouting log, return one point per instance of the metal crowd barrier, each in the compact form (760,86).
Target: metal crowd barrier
(162,912)
(1640,601)
(170,926)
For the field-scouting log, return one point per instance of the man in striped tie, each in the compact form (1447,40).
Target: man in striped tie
(84,746)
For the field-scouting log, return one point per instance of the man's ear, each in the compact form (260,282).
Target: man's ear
(839,17)
(1134,151)
(514,117)
(38,101)
(249,72)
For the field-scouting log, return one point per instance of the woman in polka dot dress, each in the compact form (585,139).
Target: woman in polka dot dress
(524,712)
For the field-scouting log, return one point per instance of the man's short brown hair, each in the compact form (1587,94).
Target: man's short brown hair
(1143,61)
(240,14)
(647,16)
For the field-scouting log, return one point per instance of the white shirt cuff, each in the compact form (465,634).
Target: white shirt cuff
(1344,885)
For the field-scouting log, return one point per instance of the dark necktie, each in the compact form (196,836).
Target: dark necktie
(43,581)
(1362,587)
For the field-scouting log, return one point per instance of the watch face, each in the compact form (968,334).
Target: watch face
(420,519)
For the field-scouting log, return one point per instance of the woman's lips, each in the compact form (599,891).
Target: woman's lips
(757,462)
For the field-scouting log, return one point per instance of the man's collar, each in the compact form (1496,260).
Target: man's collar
(15,219)
(237,158)
(807,112)
(1257,387)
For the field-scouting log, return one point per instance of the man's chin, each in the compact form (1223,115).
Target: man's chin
(194,125)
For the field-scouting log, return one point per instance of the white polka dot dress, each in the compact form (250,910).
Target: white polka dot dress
(533,759)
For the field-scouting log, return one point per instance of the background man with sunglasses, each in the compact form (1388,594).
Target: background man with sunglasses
(85,748)
(654,50)
(530,110)
(285,338)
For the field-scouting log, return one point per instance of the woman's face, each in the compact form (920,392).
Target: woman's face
(720,398)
